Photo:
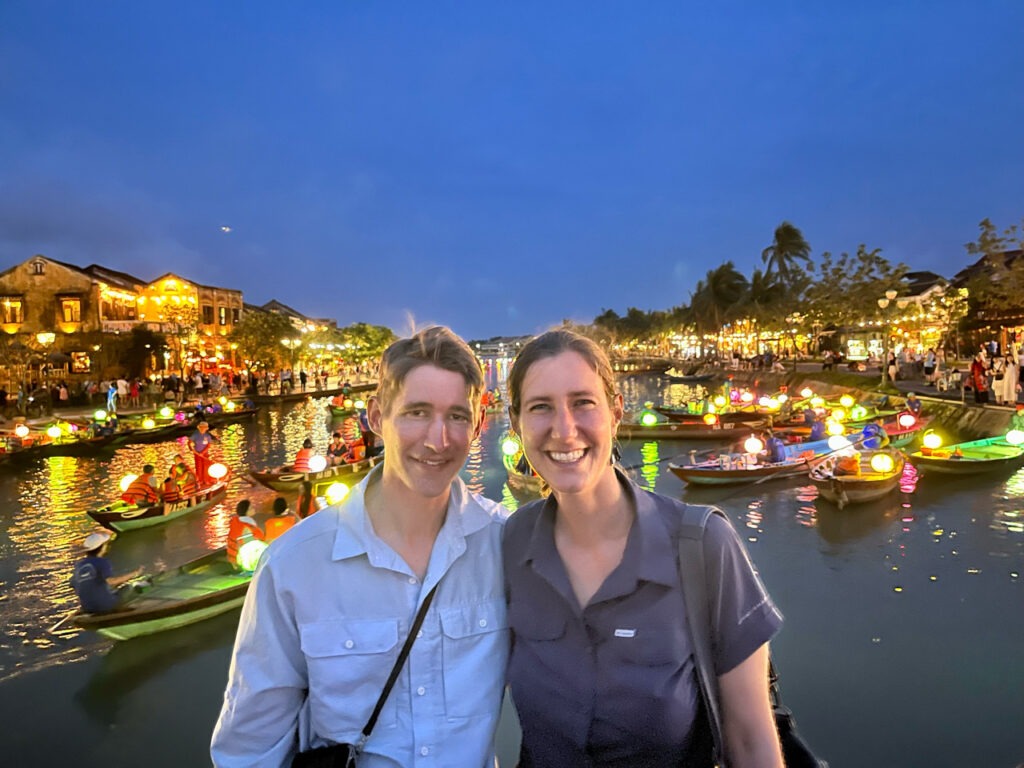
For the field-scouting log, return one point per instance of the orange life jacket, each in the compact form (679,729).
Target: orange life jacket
(171,492)
(277,525)
(848,465)
(241,530)
(140,490)
(306,506)
(187,484)
(302,460)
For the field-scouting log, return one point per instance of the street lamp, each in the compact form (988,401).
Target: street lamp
(292,345)
(883,304)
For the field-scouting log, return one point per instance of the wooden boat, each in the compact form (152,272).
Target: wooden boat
(285,479)
(739,468)
(987,455)
(870,484)
(38,445)
(683,416)
(521,483)
(664,430)
(121,516)
(688,378)
(200,589)
(340,411)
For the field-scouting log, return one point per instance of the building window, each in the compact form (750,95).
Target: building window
(207,314)
(71,310)
(235,315)
(222,315)
(12,311)
(38,267)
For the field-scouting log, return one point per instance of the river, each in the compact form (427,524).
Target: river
(901,647)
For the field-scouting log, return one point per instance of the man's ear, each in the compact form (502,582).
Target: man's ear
(374,414)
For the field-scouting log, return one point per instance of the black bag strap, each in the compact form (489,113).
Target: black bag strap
(693,578)
(399,663)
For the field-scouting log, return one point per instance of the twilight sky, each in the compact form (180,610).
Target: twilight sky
(498,167)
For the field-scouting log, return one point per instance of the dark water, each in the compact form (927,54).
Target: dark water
(902,645)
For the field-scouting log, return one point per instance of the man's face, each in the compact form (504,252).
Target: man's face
(427,430)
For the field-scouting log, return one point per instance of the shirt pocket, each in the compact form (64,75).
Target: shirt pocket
(348,663)
(649,647)
(474,640)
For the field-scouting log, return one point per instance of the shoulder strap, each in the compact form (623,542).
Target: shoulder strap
(693,578)
(399,663)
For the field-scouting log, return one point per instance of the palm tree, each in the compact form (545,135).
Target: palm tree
(786,250)
(716,296)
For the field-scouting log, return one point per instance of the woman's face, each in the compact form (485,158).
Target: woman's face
(567,424)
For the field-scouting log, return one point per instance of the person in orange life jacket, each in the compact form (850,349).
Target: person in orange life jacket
(200,441)
(170,490)
(848,465)
(281,521)
(356,451)
(306,505)
(241,529)
(302,457)
(142,490)
(336,449)
(93,576)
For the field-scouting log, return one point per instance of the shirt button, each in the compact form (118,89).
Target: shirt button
(419,634)
(412,579)
(424,751)
(421,690)
(483,622)
(349,644)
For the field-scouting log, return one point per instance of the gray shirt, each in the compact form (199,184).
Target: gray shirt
(614,683)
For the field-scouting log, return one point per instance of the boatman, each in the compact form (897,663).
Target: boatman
(914,404)
(200,441)
(93,576)
(333,600)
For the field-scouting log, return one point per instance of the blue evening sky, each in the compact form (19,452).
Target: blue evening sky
(501,166)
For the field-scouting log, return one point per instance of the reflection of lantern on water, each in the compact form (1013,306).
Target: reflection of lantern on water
(217,471)
(931,440)
(335,492)
(906,420)
(882,462)
(317,463)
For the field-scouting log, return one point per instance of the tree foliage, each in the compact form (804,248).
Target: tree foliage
(787,252)
(999,285)
(258,336)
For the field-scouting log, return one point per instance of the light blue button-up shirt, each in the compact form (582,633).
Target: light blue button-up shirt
(325,617)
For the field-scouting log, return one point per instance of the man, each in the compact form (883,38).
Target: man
(142,490)
(332,600)
(93,576)
(200,441)
(914,404)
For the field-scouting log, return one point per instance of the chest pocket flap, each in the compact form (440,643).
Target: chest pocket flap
(477,619)
(349,638)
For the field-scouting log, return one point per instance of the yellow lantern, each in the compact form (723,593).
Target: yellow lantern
(719,401)
(53,432)
(317,463)
(710,419)
(838,414)
(148,423)
(846,401)
(510,446)
(933,440)
(806,393)
(335,492)
(834,428)
(248,556)
(882,462)
(648,418)
(21,431)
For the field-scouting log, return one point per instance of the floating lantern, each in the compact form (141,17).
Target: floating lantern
(53,432)
(806,393)
(747,397)
(648,418)
(834,428)
(348,402)
(846,401)
(719,401)
(360,404)
(510,446)
(217,471)
(148,423)
(858,412)
(166,412)
(838,443)
(753,445)
(100,415)
(906,420)
(710,419)
(248,556)
(1015,437)
(882,462)
(817,402)
(126,481)
(21,430)
(317,463)
(335,492)
(933,440)
(838,414)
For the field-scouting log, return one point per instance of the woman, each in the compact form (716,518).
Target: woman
(979,379)
(602,667)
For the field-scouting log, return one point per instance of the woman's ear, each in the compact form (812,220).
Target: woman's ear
(618,408)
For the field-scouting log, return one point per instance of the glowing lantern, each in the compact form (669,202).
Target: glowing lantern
(126,481)
(166,412)
(100,415)
(710,419)
(510,446)
(336,492)
(747,397)
(838,443)
(1015,437)
(838,414)
(21,430)
(217,471)
(230,405)
(774,404)
(882,462)
(719,401)
(53,432)
(834,428)
(753,445)
(348,402)
(180,417)
(648,418)
(932,440)
(846,401)
(782,397)
(858,412)
(248,556)
(222,400)
(360,404)
(763,401)
(906,420)
(317,463)
(806,393)
(817,402)
(148,423)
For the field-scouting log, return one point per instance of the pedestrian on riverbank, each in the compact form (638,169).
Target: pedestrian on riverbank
(979,379)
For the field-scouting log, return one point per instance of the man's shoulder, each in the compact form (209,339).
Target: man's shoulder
(496,512)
